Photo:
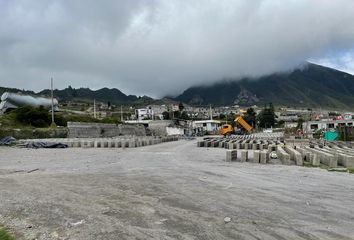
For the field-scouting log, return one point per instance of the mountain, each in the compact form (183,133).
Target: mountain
(311,86)
(113,95)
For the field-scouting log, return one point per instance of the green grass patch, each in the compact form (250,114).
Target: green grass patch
(322,166)
(337,169)
(309,165)
(350,170)
(5,235)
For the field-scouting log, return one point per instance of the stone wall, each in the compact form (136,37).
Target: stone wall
(96,130)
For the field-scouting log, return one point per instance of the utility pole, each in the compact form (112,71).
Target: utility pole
(121,113)
(51,86)
(211,113)
(94,108)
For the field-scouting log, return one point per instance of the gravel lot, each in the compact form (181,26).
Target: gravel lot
(168,191)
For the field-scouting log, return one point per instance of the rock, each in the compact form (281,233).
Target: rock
(227,219)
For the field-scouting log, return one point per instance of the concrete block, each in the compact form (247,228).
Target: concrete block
(256,156)
(131,144)
(231,155)
(76,143)
(243,156)
(348,161)
(104,144)
(69,143)
(294,155)
(314,159)
(110,144)
(97,144)
(283,156)
(246,146)
(263,157)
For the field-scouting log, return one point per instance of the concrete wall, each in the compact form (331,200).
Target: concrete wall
(158,128)
(174,131)
(96,130)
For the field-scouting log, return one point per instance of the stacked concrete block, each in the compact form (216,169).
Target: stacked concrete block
(229,145)
(76,144)
(106,142)
(283,156)
(325,158)
(314,159)
(263,157)
(254,146)
(243,156)
(256,156)
(231,155)
(207,144)
(346,156)
(294,155)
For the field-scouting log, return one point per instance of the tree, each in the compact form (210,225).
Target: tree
(180,107)
(250,117)
(266,117)
(166,115)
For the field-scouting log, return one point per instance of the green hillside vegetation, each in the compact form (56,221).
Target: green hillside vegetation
(29,122)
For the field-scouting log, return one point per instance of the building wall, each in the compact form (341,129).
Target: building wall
(312,126)
(174,131)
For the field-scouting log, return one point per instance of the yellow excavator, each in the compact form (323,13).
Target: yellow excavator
(227,129)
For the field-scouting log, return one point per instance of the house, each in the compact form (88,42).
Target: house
(144,113)
(211,126)
(313,126)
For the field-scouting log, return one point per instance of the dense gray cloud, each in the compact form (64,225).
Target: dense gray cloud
(159,47)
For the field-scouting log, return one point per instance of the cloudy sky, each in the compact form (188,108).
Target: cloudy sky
(159,47)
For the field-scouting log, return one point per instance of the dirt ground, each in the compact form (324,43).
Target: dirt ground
(168,191)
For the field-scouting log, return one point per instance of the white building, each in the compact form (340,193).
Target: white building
(157,111)
(313,126)
(290,124)
(207,125)
(144,114)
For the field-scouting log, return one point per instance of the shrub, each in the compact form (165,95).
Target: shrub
(37,117)
(60,120)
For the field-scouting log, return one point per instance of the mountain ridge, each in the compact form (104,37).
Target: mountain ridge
(311,86)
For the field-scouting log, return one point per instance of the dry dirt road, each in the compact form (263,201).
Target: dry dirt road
(168,191)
